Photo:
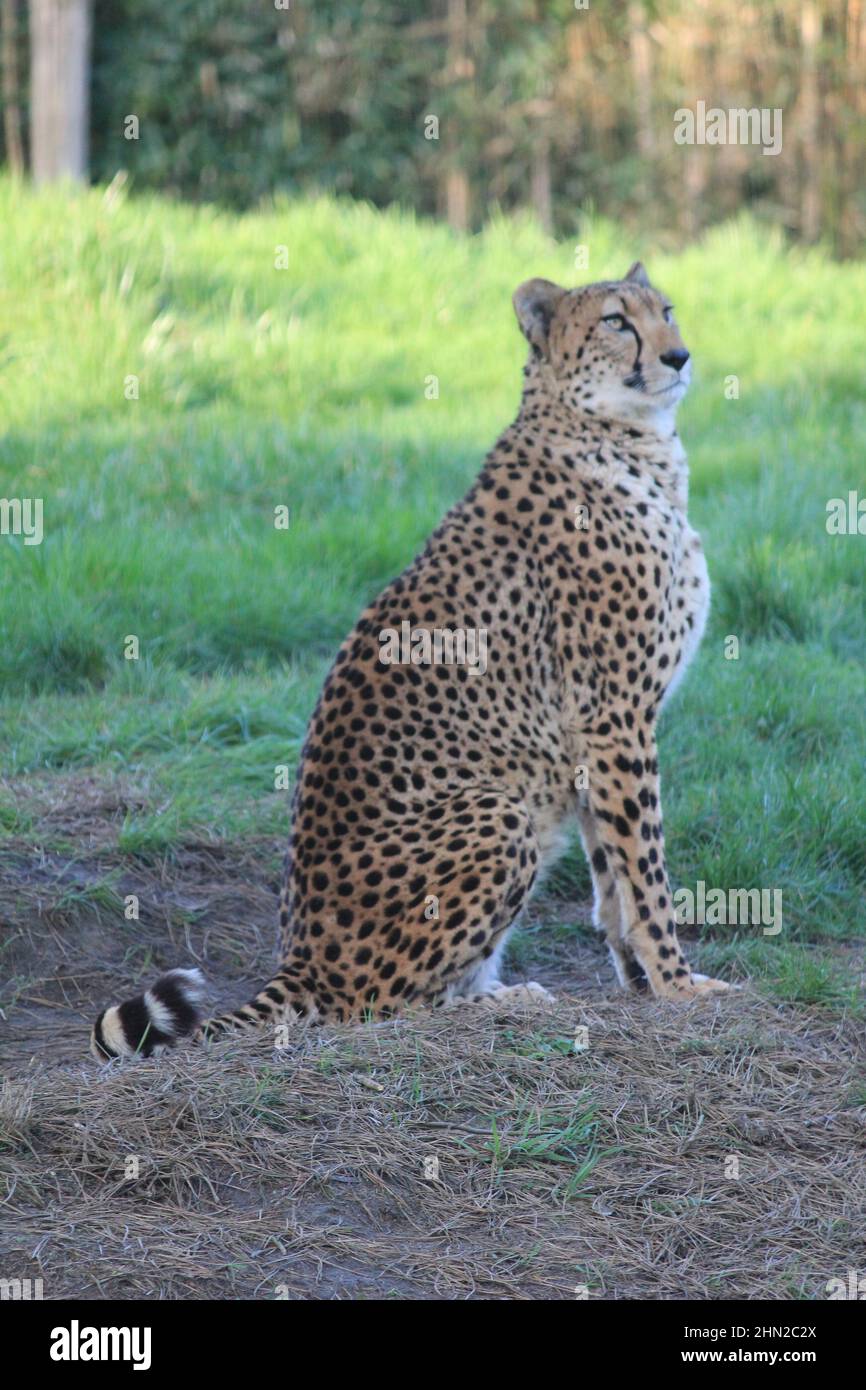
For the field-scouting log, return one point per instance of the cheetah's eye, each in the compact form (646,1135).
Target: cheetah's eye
(668,313)
(614,321)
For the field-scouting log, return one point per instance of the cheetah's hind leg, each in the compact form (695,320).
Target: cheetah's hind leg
(482,985)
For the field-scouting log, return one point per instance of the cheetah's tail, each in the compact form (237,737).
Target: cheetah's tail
(171,1010)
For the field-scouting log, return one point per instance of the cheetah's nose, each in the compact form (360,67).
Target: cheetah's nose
(676,358)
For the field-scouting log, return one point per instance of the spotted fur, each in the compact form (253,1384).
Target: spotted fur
(430,797)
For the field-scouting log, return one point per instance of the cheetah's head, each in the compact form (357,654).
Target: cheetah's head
(612,348)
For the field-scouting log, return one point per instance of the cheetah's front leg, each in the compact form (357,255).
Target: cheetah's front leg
(624,801)
(607,907)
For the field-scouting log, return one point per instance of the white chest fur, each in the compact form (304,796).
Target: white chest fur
(692,584)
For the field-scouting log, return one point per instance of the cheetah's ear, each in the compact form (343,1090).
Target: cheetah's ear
(535,303)
(638,276)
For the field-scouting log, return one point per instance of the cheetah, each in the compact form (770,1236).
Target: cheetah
(432,793)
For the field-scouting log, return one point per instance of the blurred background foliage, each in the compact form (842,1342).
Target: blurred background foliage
(540,104)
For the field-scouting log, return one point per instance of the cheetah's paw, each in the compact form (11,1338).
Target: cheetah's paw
(529,992)
(707,985)
(698,986)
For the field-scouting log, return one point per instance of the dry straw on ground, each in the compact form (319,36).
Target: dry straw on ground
(245,1171)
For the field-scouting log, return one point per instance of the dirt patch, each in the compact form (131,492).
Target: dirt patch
(712,1151)
(71,937)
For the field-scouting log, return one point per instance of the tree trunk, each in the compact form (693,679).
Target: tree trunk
(810,201)
(850,217)
(11,98)
(456,180)
(640,53)
(542,198)
(695,173)
(59,88)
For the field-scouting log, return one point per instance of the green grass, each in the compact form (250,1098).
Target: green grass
(787,969)
(538,1137)
(305,388)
